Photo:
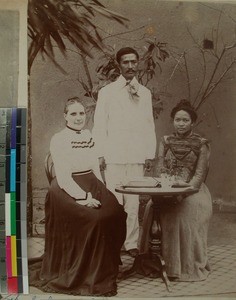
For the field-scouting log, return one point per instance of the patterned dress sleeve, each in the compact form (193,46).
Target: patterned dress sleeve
(161,156)
(202,166)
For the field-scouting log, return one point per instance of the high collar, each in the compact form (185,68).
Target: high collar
(73,130)
(186,135)
(122,82)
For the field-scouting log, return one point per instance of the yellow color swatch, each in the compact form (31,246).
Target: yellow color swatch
(13,255)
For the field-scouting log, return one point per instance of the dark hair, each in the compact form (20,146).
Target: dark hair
(124,51)
(186,106)
(71,101)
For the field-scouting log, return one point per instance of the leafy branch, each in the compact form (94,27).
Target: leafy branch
(187,74)
(109,35)
(218,53)
(215,80)
(53,21)
(156,52)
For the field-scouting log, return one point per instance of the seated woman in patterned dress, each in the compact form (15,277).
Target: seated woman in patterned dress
(85,225)
(185,223)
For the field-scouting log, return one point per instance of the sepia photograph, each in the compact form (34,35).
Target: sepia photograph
(131,147)
(13,154)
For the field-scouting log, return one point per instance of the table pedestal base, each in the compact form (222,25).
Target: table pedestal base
(152,260)
(146,265)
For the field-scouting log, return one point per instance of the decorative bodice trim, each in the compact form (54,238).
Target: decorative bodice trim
(83,144)
(181,154)
(79,138)
(181,147)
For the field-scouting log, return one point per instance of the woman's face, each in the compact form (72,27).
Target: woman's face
(75,116)
(182,122)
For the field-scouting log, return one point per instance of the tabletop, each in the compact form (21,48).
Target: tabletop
(155,191)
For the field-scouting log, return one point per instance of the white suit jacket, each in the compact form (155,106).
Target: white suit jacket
(124,130)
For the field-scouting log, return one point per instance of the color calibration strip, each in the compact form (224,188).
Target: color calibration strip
(13,206)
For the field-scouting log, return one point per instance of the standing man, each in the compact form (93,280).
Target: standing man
(124,133)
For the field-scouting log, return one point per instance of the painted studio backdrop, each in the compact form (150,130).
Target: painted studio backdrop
(188,51)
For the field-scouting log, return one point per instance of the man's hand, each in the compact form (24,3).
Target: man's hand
(102,163)
(149,163)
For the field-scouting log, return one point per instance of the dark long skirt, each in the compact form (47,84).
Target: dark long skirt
(82,244)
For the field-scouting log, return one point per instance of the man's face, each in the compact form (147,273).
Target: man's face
(128,65)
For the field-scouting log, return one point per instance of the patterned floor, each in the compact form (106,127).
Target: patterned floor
(220,282)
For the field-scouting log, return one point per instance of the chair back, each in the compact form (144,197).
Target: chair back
(49,167)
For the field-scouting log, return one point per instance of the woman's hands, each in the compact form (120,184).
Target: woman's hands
(90,202)
(181,183)
(149,164)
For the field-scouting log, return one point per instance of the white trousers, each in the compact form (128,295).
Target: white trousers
(117,174)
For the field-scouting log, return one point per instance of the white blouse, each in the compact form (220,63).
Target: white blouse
(73,151)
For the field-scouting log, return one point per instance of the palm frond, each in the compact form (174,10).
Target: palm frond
(50,22)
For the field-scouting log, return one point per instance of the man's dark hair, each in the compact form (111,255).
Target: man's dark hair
(124,51)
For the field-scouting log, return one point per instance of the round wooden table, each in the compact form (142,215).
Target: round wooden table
(159,196)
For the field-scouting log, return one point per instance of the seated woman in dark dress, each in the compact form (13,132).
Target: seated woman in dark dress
(184,154)
(85,225)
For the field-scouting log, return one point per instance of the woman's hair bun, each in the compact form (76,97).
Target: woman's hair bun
(185,105)
(184,102)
